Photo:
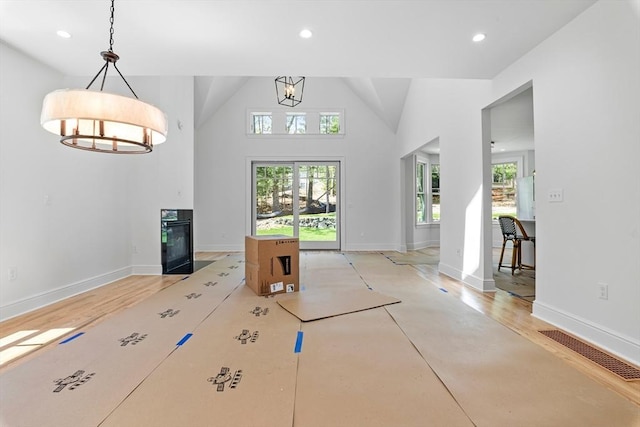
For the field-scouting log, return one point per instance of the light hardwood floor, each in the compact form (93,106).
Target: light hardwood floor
(87,309)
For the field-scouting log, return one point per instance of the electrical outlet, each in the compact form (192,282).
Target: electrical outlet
(555,195)
(603,291)
(12,273)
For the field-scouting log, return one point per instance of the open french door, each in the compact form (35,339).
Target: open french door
(298,199)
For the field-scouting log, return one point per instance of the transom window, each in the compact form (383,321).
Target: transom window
(293,123)
(261,123)
(329,123)
(296,123)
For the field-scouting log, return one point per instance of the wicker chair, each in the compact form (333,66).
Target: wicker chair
(513,231)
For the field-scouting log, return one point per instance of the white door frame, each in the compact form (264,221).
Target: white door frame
(295,161)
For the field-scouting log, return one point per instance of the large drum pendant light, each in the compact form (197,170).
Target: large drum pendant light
(104,122)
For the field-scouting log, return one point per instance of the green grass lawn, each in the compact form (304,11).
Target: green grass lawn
(306,234)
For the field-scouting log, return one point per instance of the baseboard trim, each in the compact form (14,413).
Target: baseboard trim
(482,285)
(371,247)
(43,299)
(147,270)
(368,247)
(622,346)
(220,248)
(421,245)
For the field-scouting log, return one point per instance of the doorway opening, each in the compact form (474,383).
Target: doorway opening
(509,169)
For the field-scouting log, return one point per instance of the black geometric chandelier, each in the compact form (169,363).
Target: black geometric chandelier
(289,90)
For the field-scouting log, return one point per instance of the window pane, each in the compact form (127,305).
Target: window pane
(435,192)
(273,199)
(261,123)
(420,208)
(503,189)
(317,200)
(296,123)
(329,123)
(420,177)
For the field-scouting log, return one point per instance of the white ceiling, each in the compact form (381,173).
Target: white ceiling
(376,45)
(512,124)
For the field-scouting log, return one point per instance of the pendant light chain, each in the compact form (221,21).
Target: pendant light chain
(110,58)
(111,28)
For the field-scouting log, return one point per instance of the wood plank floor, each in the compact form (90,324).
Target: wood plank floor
(89,308)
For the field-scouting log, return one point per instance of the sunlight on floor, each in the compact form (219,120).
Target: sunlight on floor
(33,343)
(17,336)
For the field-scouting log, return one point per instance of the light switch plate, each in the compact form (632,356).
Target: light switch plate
(555,195)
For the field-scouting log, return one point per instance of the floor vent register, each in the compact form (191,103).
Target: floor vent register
(617,366)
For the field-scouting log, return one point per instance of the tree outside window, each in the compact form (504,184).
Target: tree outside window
(421,206)
(329,123)
(427,192)
(296,123)
(435,192)
(503,189)
(261,123)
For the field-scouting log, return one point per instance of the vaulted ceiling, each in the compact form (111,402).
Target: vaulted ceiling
(376,46)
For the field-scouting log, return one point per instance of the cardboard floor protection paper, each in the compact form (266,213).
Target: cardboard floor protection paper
(361,370)
(499,377)
(238,369)
(321,303)
(208,352)
(81,381)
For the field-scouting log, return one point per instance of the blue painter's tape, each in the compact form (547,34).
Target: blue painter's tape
(184,339)
(444,290)
(72,338)
(298,347)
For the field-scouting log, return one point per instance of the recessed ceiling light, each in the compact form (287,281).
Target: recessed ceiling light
(479,37)
(63,34)
(306,34)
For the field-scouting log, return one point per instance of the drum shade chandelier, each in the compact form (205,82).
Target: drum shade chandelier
(101,121)
(289,90)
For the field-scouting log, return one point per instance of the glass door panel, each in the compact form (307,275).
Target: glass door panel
(317,204)
(273,185)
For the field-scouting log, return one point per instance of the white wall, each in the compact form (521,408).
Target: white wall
(587,130)
(587,133)
(69,219)
(162,179)
(76,239)
(451,110)
(368,150)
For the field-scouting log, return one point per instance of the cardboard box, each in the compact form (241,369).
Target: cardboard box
(272,264)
